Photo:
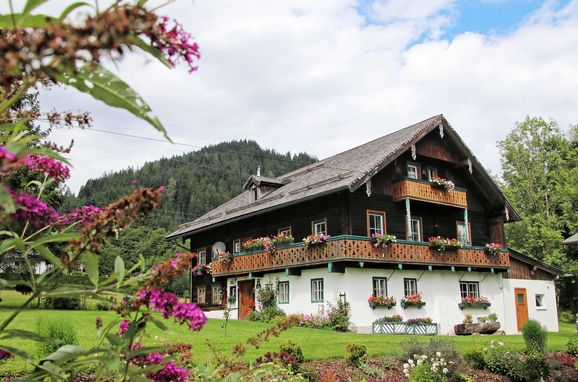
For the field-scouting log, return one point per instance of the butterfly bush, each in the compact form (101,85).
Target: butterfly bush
(175,43)
(33,210)
(4,355)
(51,167)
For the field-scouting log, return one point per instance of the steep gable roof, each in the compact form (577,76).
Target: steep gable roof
(344,171)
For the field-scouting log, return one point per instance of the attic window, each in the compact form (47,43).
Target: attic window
(255,192)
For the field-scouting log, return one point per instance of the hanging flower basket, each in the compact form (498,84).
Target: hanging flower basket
(442,183)
(493,249)
(315,240)
(381,301)
(382,241)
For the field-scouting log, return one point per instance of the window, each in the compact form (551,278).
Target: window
(540,301)
(469,288)
(317,290)
(217,296)
(319,227)
(375,223)
(284,231)
(412,171)
(202,255)
(255,193)
(432,172)
(464,237)
(201,295)
(409,287)
(237,246)
(415,223)
(283,292)
(233,294)
(380,286)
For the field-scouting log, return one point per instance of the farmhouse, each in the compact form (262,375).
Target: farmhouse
(420,184)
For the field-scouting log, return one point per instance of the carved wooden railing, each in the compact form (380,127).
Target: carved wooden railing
(426,192)
(360,249)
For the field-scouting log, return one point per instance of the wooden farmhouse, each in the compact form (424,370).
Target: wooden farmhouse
(417,183)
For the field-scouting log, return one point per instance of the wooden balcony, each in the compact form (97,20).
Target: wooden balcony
(358,251)
(424,191)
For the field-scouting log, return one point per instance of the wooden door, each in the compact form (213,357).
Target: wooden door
(246,297)
(521,306)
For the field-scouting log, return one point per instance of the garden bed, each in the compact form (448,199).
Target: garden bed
(405,328)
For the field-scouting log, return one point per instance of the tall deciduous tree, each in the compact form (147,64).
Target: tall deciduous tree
(540,174)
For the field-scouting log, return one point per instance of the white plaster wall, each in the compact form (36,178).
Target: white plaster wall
(440,291)
(547,316)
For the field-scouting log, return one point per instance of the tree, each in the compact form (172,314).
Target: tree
(540,175)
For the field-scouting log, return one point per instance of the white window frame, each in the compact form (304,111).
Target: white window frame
(380,215)
(415,168)
(283,292)
(316,224)
(409,286)
(202,256)
(237,246)
(379,286)
(317,294)
(461,236)
(416,235)
(469,288)
(201,291)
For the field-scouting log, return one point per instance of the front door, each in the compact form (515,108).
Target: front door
(246,297)
(521,307)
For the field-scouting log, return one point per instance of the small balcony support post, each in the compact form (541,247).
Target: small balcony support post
(466,227)
(408,219)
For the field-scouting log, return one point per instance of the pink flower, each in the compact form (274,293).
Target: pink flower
(169,306)
(124,324)
(170,373)
(38,213)
(175,43)
(5,355)
(49,166)
(81,214)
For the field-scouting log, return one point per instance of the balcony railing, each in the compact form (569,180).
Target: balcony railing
(425,191)
(360,249)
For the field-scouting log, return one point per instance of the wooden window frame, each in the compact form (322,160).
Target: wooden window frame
(468,283)
(279,293)
(220,289)
(322,289)
(240,245)
(317,221)
(204,288)
(375,212)
(404,288)
(418,169)
(420,228)
(374,290)
(428,168)
(204,252)
(284,229)
(458,222)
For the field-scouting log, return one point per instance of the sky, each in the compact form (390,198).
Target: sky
(326,75)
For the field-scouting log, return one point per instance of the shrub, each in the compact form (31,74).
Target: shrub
(572,345)
(468,319)
(101,305)
(501,360)
(446,348)
(424,373)
(475,359)
(567,316)
(389,362)
(536,368)
(370,370)
(339,316)
(534,336)
(309,373)
(295,350)
(493,317)
(267,296)
(64,303)
(356,354)
(58,333)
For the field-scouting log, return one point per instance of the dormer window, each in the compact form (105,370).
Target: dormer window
(412,171)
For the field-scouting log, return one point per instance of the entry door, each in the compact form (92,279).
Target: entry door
(246,297)
(521,307)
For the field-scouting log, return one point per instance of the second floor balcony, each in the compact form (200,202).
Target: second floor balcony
(425,191)
(360,251)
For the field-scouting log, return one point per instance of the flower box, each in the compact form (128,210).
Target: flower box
(441,183)
(315,240)
(443,243)
(427,329)
(493,249)
(374,305)
(478,305)
(407,304)
(382,241)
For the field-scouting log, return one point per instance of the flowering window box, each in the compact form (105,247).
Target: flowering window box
(442,243)
(381,301)
(442,183)
(382,241)
(315,240)
(493,249)
(481,302)
(412,300)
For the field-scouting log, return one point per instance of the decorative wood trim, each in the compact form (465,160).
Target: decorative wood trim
(375,212)
(423,191)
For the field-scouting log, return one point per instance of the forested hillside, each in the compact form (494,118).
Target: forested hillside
(195,182)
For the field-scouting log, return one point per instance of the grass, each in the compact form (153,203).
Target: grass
(316,344)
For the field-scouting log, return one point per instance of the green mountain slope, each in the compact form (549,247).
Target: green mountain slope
(195,182)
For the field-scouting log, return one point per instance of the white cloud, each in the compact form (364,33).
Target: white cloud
(316,76)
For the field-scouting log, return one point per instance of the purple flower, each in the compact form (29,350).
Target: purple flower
(5,355)
(154,358)
(7,155)
(169,306)
(170,373)
(49,166)
(123,327)
(98,322)
(38,213)
(81,214)
(175,43)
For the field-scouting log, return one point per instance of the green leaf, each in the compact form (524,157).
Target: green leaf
(55,238)
(133,38)
(90,261)
(71,8)
(159,324)
(119,268)
(18,333)
(65,353)
(31,5)
(6,202)
(49,256)
(105,86)
(30,21)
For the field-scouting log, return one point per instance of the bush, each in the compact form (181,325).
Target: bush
(356,354)
(567,317)
(295,350)
(389,362)
(309,373)
(64,303)
(501,360)
(101,305)
(267,315)
(58,333)
(339,316)
(572,345)
(475,359)
(536,368)
(446,347)
(534,336)
(424,373)
(370,370)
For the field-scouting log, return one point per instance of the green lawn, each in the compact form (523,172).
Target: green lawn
(316,344)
